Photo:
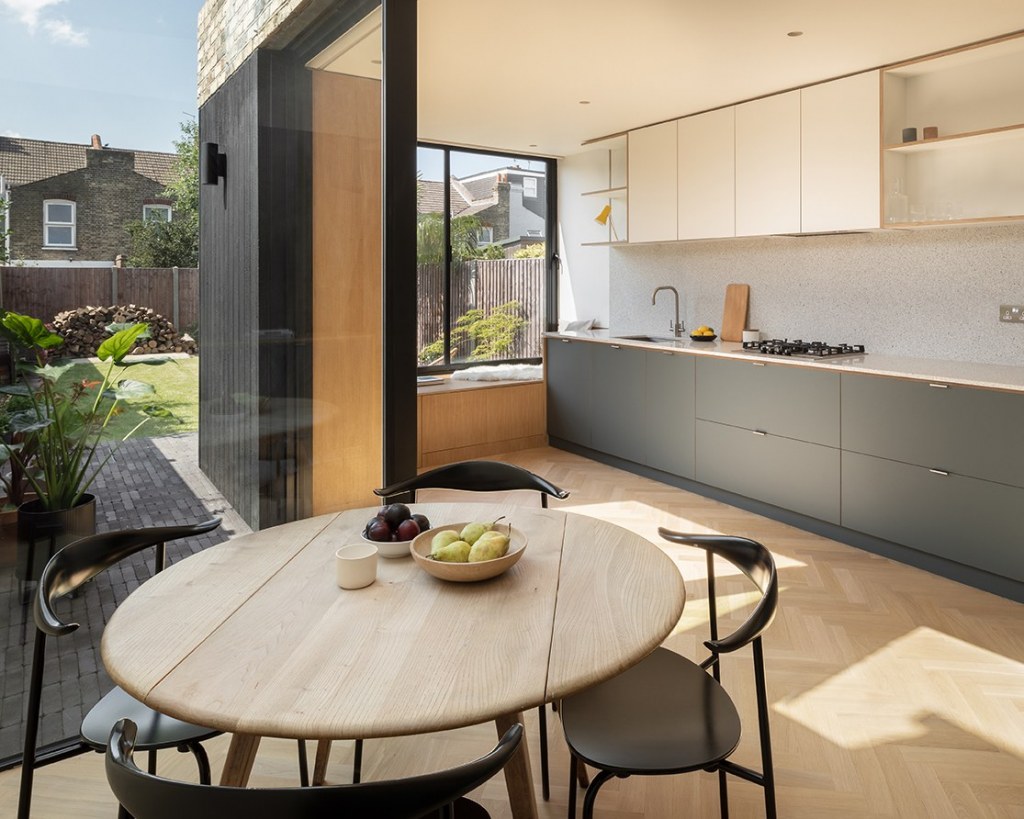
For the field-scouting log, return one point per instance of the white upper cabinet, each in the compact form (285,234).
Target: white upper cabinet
(768,165)
(707,175)
(840,188)
(652,183)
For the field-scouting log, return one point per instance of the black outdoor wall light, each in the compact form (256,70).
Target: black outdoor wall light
(212,163)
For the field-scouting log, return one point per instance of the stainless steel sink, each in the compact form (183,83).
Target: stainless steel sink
(652,339)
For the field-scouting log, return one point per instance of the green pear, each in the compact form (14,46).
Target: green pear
(471,532)
(442,539)
(455,552)
(488,548)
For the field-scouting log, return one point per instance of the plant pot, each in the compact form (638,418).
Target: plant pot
(41,532)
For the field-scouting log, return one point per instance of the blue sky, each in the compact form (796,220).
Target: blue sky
(123,69)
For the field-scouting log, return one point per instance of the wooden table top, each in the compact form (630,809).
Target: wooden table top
(253,636)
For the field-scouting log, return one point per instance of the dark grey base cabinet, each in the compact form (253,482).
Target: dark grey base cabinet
(795,475)
(959,518)
(617,398)
(568,387)
(670,413)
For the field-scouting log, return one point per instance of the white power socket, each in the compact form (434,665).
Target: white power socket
(1012,313)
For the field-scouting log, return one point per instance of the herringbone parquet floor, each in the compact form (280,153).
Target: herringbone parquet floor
(894,693)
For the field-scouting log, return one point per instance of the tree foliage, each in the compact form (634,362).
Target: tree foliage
(176,243)
(3,229)
(534,251)
(464,232)
(483,335)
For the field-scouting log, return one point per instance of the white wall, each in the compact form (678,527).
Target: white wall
(925,293)
(583,282)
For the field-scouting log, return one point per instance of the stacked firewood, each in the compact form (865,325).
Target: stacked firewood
(84,330)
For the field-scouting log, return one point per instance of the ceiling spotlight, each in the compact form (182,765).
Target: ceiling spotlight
(794,34)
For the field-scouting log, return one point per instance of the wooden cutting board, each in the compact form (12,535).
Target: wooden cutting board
(734,316)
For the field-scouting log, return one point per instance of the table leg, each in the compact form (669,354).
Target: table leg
(238,765)
(518,778)
(323,756)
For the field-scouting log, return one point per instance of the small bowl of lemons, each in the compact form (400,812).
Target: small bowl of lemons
(703,333)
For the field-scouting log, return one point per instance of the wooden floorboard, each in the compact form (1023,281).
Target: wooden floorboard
(894,693)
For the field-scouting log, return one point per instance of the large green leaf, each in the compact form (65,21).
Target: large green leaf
(120,344)
(27,423)
(28,332)
(15,389)
(154,361)
(51,372)
(117,327)
(126,388)
(154,411)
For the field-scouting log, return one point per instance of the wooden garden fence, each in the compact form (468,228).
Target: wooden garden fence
(484,284)
(173,292)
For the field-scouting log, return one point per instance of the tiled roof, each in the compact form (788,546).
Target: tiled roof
(28,160)
(482,188)
(430,198)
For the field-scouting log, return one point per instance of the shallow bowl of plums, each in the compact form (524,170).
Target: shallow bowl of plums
(393,528)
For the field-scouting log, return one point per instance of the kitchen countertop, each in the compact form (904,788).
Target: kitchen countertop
(969,374)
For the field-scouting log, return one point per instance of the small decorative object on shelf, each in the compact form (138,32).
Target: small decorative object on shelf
(931,132)
(910,134)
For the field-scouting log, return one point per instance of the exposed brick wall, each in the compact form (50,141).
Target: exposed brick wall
(231,30)
(108,193)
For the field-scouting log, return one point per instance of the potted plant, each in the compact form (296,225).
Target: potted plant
(55,441)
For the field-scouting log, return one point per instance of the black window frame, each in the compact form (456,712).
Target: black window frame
(550,255)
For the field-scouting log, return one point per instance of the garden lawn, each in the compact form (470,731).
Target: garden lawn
(177,390)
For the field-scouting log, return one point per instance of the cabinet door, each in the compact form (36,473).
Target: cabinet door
(652,183)
(839,126)
(568,384)
(957,429)
(707,175)
(790,474)
(617,401)
(768,165)
(973,522)
(669,418)
(795,402)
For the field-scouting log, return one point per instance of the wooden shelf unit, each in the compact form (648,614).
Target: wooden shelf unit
(973,172)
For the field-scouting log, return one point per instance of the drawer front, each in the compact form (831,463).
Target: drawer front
(958,429)
(568,387)
(670,413)
(617,401)
(794,402)
(964,519)
(791,474)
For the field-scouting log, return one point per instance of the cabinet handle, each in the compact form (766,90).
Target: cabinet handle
(566,341)
(666,352)
(759,432)
(757,363)
(942,472)
(939,386)
(615,347)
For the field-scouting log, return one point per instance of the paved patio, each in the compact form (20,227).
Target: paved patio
(150,482)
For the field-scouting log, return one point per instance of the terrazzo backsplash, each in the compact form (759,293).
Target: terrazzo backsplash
(922,293)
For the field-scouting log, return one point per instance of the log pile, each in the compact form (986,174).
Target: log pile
(84,330)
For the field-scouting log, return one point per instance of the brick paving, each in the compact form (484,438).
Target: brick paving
(149,482)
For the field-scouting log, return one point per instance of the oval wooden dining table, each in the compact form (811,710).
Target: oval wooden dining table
(254,637)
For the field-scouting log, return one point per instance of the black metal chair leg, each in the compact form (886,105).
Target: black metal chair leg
(723,794)
(573,785)
(122,813)
(28,759)
(152,761)
(545,784)
(357,763)
(303,765)
(202,760)
(591,794)
(767,768)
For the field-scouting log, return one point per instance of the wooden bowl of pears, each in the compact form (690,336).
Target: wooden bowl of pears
(468,552)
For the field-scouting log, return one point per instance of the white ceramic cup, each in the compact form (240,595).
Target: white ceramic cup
(356,565)
(751,335)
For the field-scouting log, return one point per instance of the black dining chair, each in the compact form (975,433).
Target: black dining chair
(667,714)
(71,567)
(146,796)
(467,476)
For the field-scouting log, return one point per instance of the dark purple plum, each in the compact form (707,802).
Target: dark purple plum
(395,514)
(421,521)
(408,529)
(379,531)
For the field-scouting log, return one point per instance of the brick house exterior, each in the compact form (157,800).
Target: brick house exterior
(108,187)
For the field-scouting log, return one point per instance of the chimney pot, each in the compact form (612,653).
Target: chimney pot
(96,143)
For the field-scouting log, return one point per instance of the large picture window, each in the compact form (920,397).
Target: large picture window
(483,252)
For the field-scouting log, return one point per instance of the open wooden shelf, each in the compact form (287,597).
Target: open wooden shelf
(606,191)
(603,244)
(976,220)
(969,139)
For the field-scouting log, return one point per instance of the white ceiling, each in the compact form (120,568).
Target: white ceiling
(510,74)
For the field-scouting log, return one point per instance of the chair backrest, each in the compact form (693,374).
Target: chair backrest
(757,563)
(476,476)
(146,796)
(79,562)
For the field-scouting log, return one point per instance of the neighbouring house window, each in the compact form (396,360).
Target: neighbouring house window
(530,187)
(58,223)
(156,213)
(475,305)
